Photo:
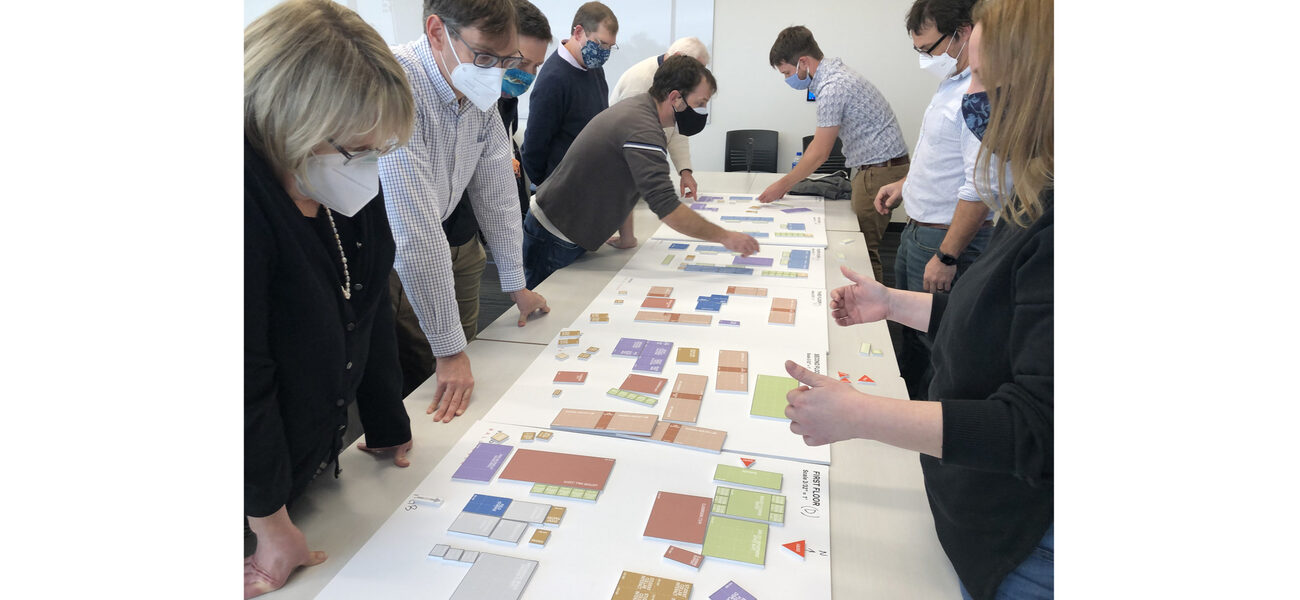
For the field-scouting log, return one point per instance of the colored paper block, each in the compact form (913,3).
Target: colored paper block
(751,477)
(736,540)
(769,396)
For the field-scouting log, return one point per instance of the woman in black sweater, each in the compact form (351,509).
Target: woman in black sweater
(985,433)
(323,97)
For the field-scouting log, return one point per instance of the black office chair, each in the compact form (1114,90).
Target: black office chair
(751,150)
(834,162)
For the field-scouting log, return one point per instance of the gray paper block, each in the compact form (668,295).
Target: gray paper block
(469,556)
(453,554)
(509,531)
(495,577)
(474,524)
(439,550)
(528,512)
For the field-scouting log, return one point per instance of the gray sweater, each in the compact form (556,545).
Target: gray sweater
(618,157)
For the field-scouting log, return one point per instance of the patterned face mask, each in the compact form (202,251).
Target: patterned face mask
(593,55)
(515,83)
(975,110)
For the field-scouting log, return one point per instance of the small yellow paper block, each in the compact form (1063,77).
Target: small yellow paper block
(500,436)
(556,393)
(561,356)
(555,515)
(618,301)
(622,292)
(527,436)
(545,436)
(877,352)
(570,333)
(599,317)
(593,349)
(584,356)
(569,341)
(539,537)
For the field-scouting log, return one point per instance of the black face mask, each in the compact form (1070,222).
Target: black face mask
(690,122)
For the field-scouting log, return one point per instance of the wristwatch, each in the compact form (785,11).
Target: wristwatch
(946,259)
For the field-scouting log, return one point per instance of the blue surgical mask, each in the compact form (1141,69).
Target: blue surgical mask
(593,55)
(516,82)
(975,110)
(797,82)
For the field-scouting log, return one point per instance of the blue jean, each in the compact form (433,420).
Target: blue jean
(1034,579)
(544,253)
(916,247)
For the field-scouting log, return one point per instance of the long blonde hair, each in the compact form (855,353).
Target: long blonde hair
(314,71)
(1016,68)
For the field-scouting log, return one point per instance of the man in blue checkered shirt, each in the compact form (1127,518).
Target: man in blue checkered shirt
(455,70)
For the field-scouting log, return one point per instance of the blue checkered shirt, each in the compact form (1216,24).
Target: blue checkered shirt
(454,146)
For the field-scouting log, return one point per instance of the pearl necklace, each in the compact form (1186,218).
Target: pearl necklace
(347,278)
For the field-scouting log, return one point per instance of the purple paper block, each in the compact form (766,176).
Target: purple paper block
(483,462)
(731,591)
(753,261)
(629,347)
(795,210)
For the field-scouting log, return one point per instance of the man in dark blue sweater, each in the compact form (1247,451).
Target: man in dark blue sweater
(569,91)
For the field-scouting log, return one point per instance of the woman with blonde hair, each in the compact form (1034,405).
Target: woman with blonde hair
(985,433)
(323,98)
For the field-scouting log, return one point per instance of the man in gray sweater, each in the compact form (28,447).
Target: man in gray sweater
(620,156)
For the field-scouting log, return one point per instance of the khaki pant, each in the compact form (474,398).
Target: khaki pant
(866,184)
(468,262)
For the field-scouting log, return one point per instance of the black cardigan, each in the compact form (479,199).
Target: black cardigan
(307,351)
(992,494)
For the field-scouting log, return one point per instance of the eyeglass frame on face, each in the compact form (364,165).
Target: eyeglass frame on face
(488,59)
(603,45)
(930,50)
(367,153)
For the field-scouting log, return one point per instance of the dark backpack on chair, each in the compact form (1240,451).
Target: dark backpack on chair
(835,186)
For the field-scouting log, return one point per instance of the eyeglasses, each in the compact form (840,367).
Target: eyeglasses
(603,45)
(487,60)
(932,46)
(363,154)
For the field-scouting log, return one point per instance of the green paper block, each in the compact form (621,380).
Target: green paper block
(750,477)
(769,396)
(590,494)
(751,505)
(552,490)
(735,539)
(667,259)
(539,488)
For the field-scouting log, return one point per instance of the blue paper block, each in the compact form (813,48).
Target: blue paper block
(484,504)
(684,246)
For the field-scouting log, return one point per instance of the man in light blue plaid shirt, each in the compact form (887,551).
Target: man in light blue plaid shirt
(455,145)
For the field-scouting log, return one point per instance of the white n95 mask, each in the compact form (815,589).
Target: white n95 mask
(341,185)
(482,85)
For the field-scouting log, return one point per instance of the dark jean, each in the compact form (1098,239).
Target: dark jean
(544,253)
(1034,579)
(916,246)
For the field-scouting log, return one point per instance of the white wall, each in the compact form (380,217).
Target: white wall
(645,29)
(868,35)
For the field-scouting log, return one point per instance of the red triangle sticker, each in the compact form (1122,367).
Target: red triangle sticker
(795,547)
(865,379)
(749,462)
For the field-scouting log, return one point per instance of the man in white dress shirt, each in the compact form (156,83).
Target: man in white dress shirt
(948,226)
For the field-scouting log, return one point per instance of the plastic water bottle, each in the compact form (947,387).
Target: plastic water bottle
(797,157)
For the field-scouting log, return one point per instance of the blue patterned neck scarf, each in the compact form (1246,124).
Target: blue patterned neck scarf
(975,109)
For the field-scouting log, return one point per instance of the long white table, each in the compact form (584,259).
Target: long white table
(883,543)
